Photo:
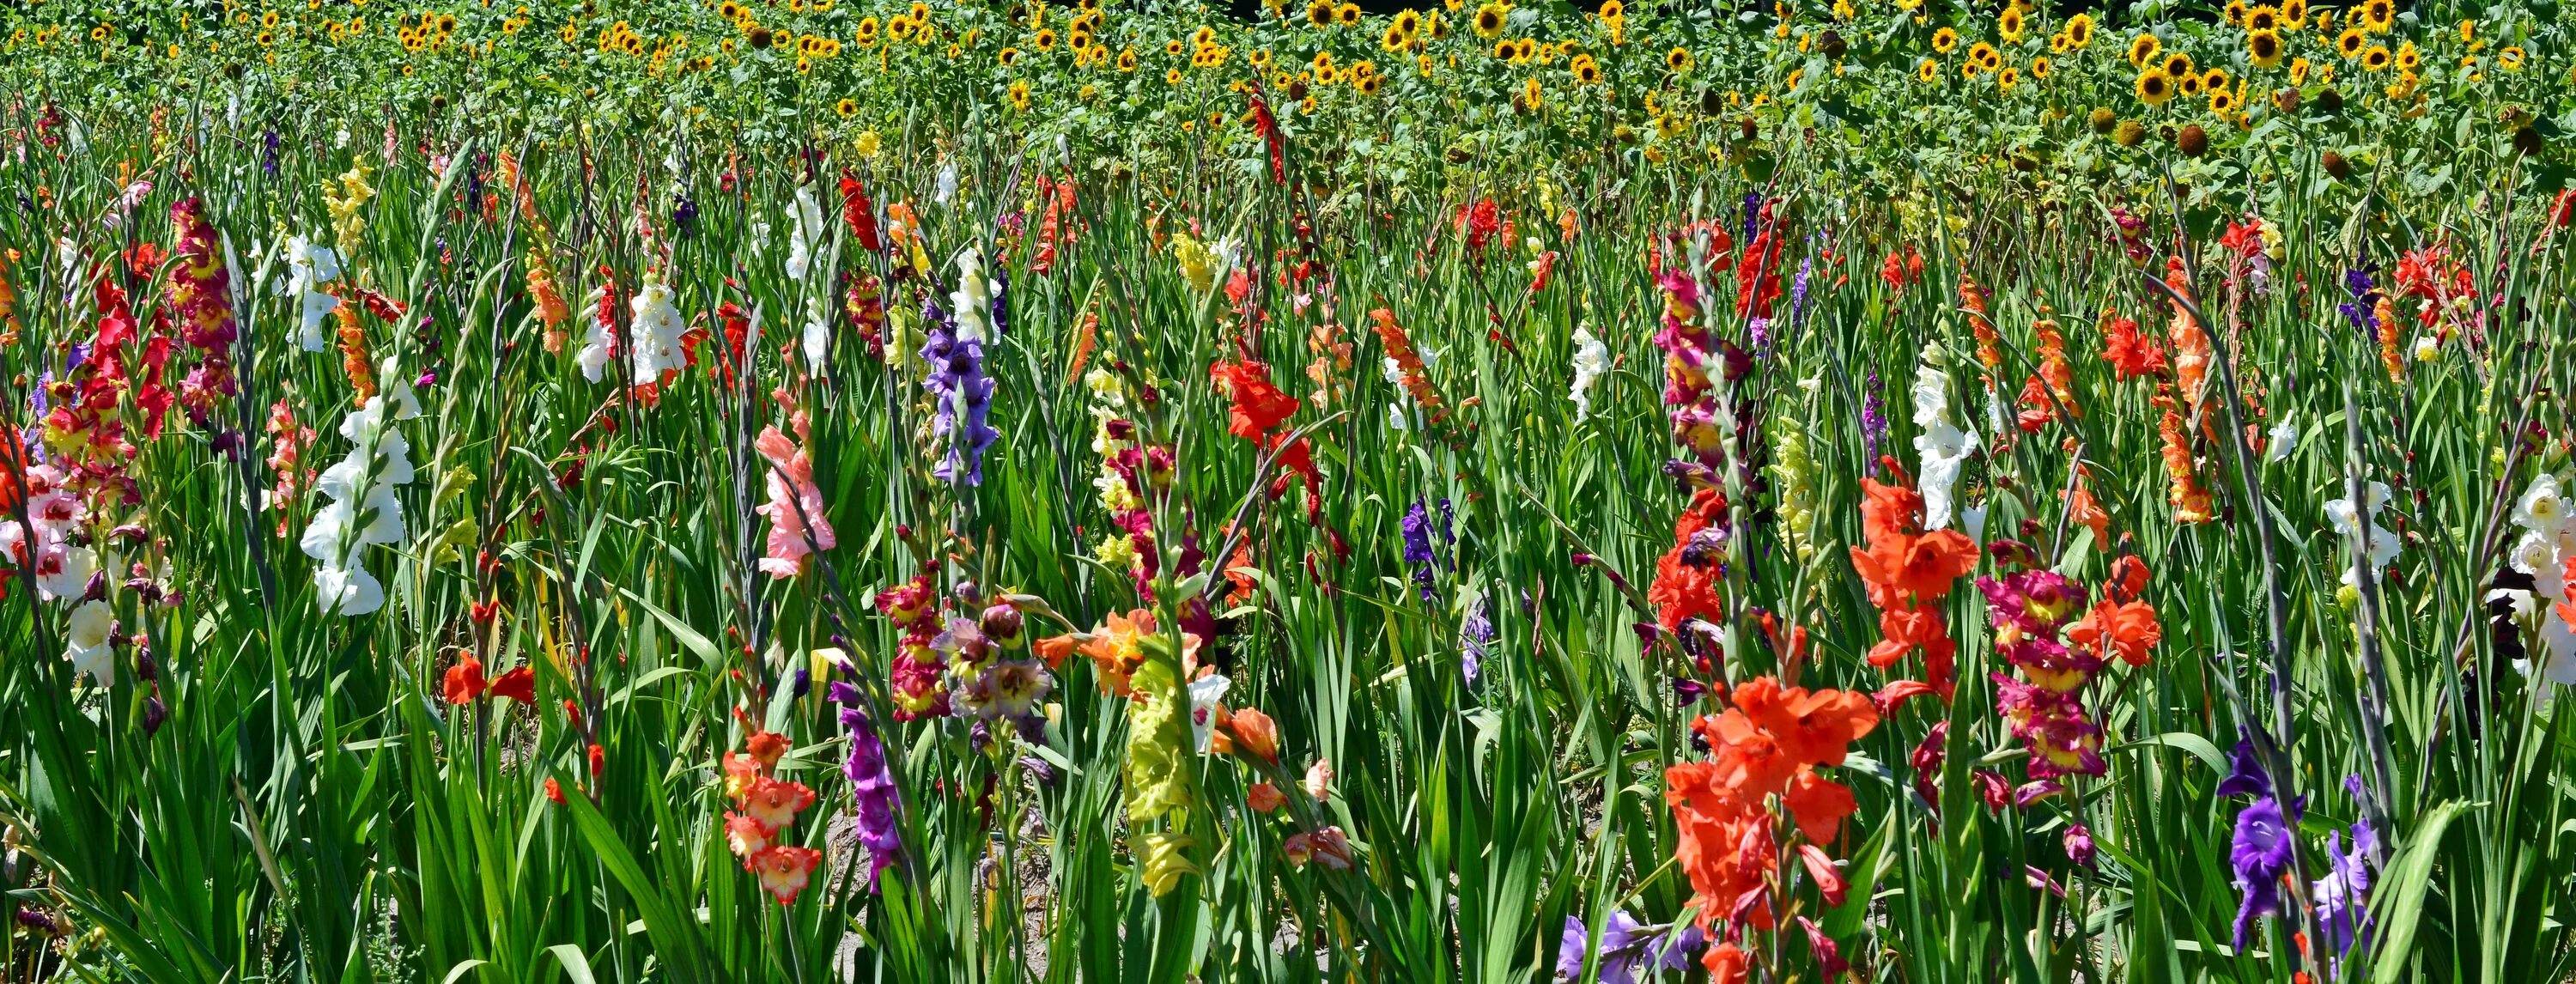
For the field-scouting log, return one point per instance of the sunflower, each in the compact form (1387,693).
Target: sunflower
(2235,12)
(1586,70)
(1489,19)
(1945,40)
(1531,96)
(2294,12)
(1362,69)
(1984,55)
(2155,87)
(2350,42)
(2377,58)
(1526,50)
(1020,96)
(1172,76)
(1393,39)
(2143,49)
(1009,57)
(1127,60)
(2178,65)
(847,107)
(2057,43)
(2215,78)
(2079,31)
(1677,60)
(2408,58)
(1927,71)
(2007,78)
(1347,14)
(1044,40)
(2265,18)
(266,38)
(2379,15)
(2010,25)
(2298,71)
(1613,11)
(2040,67)
(2510,59)
(2188,85)
(2222,103)
(1368,86)
(1259,60)
(2264,47)
(1203,37)
(1408,21)
(1079,39)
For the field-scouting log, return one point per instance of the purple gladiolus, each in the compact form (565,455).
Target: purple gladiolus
(963,394)
(1626,947)
(871,782)
(2343,892)
(1475,634)
(1416,528)
(2260,854)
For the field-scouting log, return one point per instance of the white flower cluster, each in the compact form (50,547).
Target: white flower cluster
(2548,544)
(1944,446)
(810,231)
(1591,359)
(309,266)
(656,331)
(2383,541)
(595,339)
(362,509)
(972,301)
(63,568)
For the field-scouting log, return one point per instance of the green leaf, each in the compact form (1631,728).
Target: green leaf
(576,964)
(457,973)
(2399,900)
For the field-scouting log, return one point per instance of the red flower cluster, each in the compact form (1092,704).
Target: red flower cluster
(1690,578)
(1768,744)
(1908,572)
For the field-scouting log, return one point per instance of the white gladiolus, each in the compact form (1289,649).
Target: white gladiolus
(1591,359)
(310,265)
(1207,693)
(363,509)
(947,189)
(2548,541)
(593,357)
(972,301)
(86,642)
(2284,440)
(1944,446)
(655,333)
(809,234)
(817,338)
(2383,541)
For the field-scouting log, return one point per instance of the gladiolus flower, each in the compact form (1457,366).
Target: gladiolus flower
(775,804)
(1264,797)
(519,684)
(784,870)
(464,681)
(1254,733)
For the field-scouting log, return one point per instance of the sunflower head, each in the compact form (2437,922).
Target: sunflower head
(2177,64)
(1945,40)
(2264,48)
(2350,43)
(1320,13)
(847,107)
(2379,15)
(2010,25)
(1927,71)
(2155,87)
(1678,60)
(1347,14)
(2143,49)
(2236,12)
(2040,67)
(1489,19)
(2264,18)
(2377,58)
(2079,30)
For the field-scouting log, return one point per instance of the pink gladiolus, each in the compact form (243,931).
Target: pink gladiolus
(795,508)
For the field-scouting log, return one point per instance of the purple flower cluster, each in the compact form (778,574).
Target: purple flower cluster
(2262,849)
(1475,636)
(1626,948)
(1873,421)
(964,396)
(872,782)
(2365,298)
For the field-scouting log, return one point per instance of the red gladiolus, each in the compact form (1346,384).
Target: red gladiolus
(519,685)
(859,213)
(464,681)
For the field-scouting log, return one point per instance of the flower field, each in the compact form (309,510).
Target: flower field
(821,490)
